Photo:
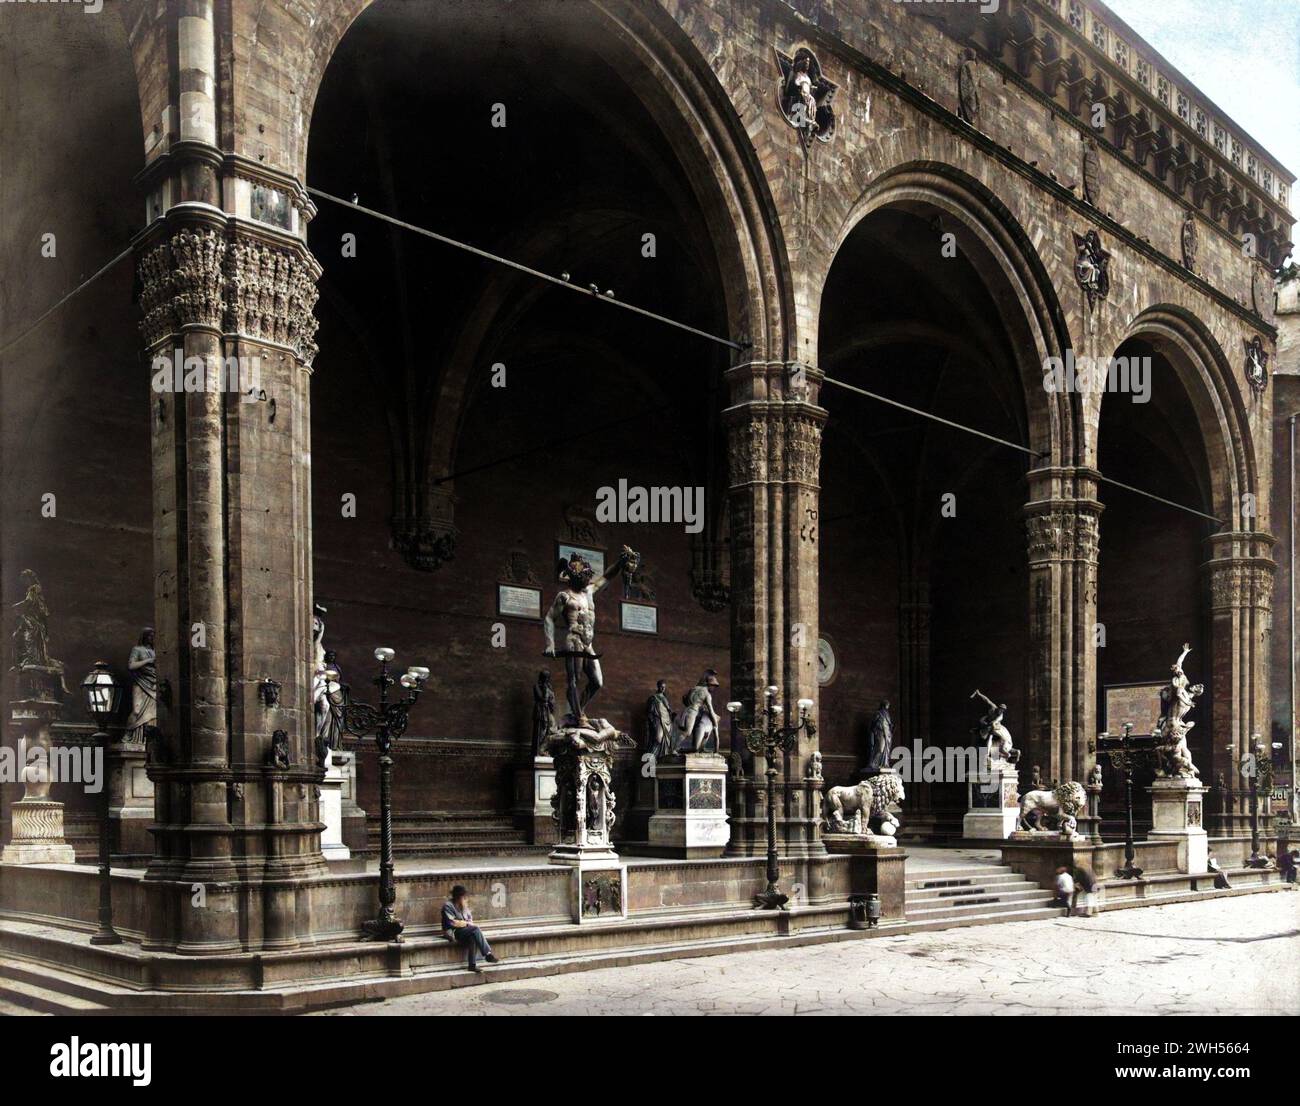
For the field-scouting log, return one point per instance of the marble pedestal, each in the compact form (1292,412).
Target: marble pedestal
(1177,814)
(690,818)
(993,804)
(355,835)
(130,802)
(584,805)
(38,834)
(331,811)
(533,813)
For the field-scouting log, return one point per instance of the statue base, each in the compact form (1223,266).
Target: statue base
(690,819)
(993,804)
(533,813)
(38,835)
(1177,814)
(331,811)
(584,798)
(857,842)
(1046,836)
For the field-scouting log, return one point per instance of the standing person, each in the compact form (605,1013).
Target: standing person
(1064,888)
(1085,884)
(458,926)
(1286,863)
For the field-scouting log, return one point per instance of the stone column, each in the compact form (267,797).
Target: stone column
(1239,580)
(1062,521)
(914,693)
(227,288)
(774,461)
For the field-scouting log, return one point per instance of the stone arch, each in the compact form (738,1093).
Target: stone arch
(1004,255)
(1210,384)
(670,76)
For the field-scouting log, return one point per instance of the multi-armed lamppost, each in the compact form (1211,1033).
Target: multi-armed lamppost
(1257,766)
(767,737)
(103,694)
(1126,753)
(387,722)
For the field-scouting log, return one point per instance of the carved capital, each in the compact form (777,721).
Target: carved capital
(802,448)
(747,452)
(271,291)
(182,283)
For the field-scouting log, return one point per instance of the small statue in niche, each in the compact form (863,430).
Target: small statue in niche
(1190,237)
(574,613)
(881,739)
(278,756)
(697,725)
(659,722)
(1091,171)
(968,93)
(1094,777)
(32,633)
(543,711)
(595,807)
(143,670)
(1036,779)
(737,765)
(990,730)
(637,585)
(1257,364)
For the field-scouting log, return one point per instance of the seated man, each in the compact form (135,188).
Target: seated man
(458,926)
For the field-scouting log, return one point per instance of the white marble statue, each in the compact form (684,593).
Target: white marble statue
(144,687)
(1175,759)
(850,809)
(1066,802)
(997,738)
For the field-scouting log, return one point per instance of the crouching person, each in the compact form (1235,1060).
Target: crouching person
(458,927)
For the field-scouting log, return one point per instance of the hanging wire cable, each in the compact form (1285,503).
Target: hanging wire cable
(59,303)
(1013,445)
(455,244)
(486,255)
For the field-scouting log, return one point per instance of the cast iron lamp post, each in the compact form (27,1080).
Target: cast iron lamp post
(1259,763)
(1127,753)
(103,694)
(766,738)
(387,722)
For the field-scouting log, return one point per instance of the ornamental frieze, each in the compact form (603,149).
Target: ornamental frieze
(747,455)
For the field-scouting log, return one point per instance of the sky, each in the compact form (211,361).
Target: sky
(1243,54)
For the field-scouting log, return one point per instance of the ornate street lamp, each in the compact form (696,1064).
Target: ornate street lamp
(767,738)
(1257,766)
(103,695)
(387,722)
(1126,753)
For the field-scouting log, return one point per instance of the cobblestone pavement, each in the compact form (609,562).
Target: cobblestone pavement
(1227,956)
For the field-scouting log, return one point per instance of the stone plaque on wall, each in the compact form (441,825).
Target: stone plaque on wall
(640,618)
(1136,704)
(517,602)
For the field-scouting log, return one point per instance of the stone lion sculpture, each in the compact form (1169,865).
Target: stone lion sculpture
(850,809)
(1064,803)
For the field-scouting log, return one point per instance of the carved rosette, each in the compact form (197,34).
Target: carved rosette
(204,277)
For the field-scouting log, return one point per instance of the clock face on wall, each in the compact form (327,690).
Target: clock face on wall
(825,662)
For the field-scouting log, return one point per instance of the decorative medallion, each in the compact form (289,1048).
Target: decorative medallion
(968,92)
(518,568)
(1190,241)
(1256,364)
(1091,267)
(804,96)
(1261,291)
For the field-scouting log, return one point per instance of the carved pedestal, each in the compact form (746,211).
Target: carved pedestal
(1177,813)
(583,806)
(331,812)
(534,786)
(993,804)
(352,816)
(690,819)
(38,834)
(130,803)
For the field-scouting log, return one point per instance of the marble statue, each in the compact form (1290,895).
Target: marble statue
(1094,777)
(573,617)
(1066,801)
(278,755)
(990,730)
(1175,759)
(326,693)
(1091,172)
(697,725)
(851,809)
(882,738)
(543,711)
(659,723)
(968,93)
(736,765)
(32,632)
(143,670)
(814,765)
(1190,240)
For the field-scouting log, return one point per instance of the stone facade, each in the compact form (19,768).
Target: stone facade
(240,534)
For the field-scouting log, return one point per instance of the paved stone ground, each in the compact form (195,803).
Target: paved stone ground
(1229,956)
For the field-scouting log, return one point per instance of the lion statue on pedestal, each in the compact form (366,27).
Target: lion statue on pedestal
(1065,803)
(850,809)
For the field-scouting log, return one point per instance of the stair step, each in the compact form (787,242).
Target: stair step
(41,1000)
